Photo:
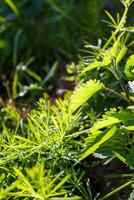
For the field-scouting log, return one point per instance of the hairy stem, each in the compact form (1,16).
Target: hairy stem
(116,93)
(122,85)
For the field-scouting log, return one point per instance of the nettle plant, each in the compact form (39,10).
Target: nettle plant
(57,135)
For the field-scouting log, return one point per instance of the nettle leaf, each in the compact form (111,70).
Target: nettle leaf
(98,140)
(113,117)
(129,68)
(116,143)
(121,54)
(118,50)
(84,92)
(130,158)
(95,64)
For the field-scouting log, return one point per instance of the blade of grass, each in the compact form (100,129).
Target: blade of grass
(11,4)
(117,190)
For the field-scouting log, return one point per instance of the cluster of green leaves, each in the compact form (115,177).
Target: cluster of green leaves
(44,157)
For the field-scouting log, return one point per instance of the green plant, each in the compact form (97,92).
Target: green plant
(38,183)
(111,57)
(66,134)
(25,59)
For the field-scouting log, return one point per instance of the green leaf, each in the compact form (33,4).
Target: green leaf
(67,198)
(12,6)
(95,64)
(113,117)
(22,177)
(34,75)
(130,158)
(84,92)
(58,186)
(92,149)
(121,54)
(129,128)
(105,58)
(111,18)
(129,68)
(120,157)
(118,50)
(115,144)
(51,73)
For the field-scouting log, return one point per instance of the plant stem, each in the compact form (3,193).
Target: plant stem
(124,90)
(117,74)
(116,93)
(111,176)
(117,29)
(122,85)
(117,190)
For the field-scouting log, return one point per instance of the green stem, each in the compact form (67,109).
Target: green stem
(122,84)
(111,176)
(117,74)
(110,39)
(124,90)
(117,190)
(117,29)
(116,93)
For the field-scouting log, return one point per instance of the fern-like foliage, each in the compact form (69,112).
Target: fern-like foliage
(37,183)
(45,134)
(84,92)
(129,68)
